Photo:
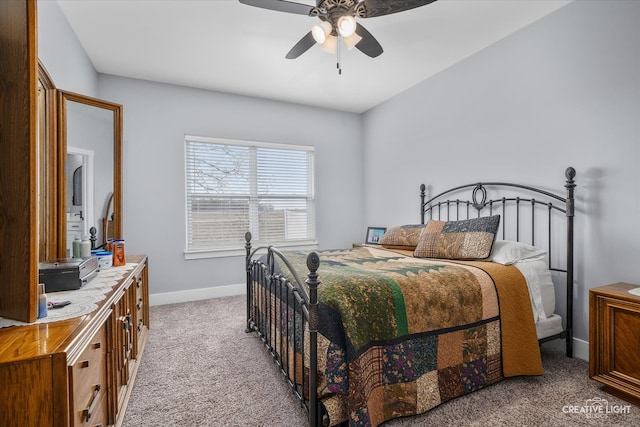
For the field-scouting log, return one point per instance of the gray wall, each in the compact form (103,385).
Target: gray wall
(61,52)
(564,91)
(157,116)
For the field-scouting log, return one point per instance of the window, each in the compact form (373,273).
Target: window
(237,186)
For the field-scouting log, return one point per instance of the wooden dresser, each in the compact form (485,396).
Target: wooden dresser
(77,372)
(614,339)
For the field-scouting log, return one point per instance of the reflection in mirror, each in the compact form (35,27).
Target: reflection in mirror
(79,172)
(107,220)
(91,132)
(76,192)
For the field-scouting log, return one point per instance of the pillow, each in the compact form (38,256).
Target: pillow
(508,252)
(465,239)
(402,237)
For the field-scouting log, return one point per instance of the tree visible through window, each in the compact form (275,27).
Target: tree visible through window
(238,186)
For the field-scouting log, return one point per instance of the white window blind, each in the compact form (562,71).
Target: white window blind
(237,186)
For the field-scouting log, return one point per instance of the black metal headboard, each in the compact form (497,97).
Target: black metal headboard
(523,210)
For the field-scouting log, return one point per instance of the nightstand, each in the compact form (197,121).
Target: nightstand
(614,339)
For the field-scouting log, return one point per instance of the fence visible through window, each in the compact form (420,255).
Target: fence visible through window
(237,186)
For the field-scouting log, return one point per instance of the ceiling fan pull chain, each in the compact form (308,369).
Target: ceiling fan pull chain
(338,55)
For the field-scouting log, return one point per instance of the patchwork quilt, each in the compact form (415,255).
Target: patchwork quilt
(400,335)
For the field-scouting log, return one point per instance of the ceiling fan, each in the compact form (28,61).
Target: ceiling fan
(338,21)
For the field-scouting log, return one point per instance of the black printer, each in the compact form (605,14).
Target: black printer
(67,274)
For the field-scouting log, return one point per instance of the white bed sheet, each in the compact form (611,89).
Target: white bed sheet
(541,288)
(552,325)
(543,296)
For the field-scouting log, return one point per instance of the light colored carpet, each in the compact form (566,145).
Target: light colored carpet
(200,368)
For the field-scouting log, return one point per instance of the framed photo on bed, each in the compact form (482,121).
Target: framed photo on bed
(374,234)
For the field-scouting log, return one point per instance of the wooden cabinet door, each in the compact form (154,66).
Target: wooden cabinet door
(614,358)
(26,393)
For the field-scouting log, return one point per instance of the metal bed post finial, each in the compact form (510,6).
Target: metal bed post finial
(313,262)
(570,174)
(570,185)
(247,246)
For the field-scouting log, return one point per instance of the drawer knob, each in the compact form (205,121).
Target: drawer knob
(84,364)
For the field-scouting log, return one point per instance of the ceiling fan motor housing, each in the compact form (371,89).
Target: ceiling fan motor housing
(333,10)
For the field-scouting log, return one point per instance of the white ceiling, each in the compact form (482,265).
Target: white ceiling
(226,46)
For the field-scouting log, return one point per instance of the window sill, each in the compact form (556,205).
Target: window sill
(225,253)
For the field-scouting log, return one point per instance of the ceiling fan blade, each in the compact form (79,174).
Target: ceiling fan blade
(280,6)
(387,7)
(302,46)
(368,45)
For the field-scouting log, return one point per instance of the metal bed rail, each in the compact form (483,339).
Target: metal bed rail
(281,312)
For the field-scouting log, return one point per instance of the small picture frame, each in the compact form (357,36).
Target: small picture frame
(374,234)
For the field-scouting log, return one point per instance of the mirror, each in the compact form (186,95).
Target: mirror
(90,135)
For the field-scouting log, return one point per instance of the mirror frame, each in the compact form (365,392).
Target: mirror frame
(116,109)
(47,168)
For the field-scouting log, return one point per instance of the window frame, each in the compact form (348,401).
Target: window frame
(239,249)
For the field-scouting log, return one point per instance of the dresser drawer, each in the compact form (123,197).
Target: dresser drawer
(140,304)
(75,226)
(140,315)
(95,412)
(139,293)
(88,382)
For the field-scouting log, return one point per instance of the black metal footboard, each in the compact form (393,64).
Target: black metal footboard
(285,317)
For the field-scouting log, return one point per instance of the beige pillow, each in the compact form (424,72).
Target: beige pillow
(402,237)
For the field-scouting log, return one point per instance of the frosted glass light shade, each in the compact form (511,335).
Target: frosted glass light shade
(330,45)
(321,31)
(352,40)
(346,26)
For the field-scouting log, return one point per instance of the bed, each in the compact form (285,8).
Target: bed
(436,310)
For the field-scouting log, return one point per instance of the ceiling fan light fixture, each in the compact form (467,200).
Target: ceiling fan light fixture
(346,26)
(352,40)
(321,31)
(331,44)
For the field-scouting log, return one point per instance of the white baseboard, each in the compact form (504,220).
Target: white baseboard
(580,347)
(197,294)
